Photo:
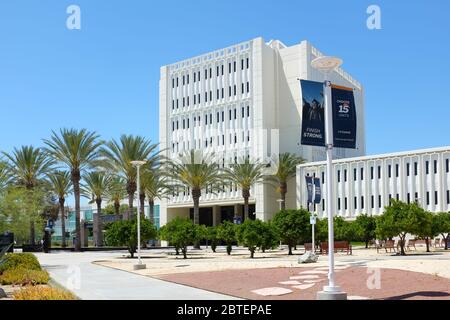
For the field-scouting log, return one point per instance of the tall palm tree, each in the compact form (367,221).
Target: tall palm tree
(120,154)
(116,192)
(28,167)
(285,170)
(78,151)
(196,171)
(245,174)
(4,176)
(156,186)
(60,185)
(96,184)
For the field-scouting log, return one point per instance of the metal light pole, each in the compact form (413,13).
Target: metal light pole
(138,165)
(326,65)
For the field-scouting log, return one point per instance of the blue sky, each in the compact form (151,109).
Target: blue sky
(105,76)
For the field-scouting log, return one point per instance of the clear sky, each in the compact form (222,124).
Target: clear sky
(105,76)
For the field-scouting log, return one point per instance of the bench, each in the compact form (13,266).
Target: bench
(390,244)
(308,247)
(411,244)
(338,246)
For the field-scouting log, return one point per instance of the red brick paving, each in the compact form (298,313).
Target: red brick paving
(395,284)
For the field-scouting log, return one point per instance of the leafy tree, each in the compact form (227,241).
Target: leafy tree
(245,174)
(365,228)
(250,234)
(28,167)
(124,233)
(4,176)
(399,219)
(181,233)
(156,186)
(440,224)
(115,193)
(345,230)
(227,233)
(78,151)
(96,185)
(196,171)
(212,237)
(119,155)
(270,238)
(285,170)
(61,186)
(291,226)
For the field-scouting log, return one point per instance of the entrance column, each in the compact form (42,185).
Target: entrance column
(216,215)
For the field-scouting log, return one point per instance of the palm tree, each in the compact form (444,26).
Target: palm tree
(286,167)
(116,192)
(78,151)
(245,174)
(120,154)
(96,184)
(156,186)
(4,176)
(61,185)
(28,166)
(196,171)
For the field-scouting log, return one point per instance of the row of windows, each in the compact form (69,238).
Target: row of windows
(380,204)
(208,96)
(220,140)
(220,117)
(372,171)
(209,72)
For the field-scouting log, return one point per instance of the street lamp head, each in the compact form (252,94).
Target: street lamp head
(138,163)
(326,64)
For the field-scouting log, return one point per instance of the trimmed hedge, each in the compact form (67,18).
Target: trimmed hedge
(20,260)
(43,293)
(21,276)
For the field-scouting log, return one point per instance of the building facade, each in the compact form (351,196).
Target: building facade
(366,184)
(236,102)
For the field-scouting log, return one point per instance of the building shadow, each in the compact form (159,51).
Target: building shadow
(431,294)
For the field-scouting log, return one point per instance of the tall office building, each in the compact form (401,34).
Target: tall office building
(242,101)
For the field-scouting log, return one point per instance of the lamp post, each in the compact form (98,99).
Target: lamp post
(138,165)
(326,65)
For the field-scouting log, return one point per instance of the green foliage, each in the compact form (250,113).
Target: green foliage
(343,230)
(227,233)
(124,233)
(270,237)
(401,218)
(365,226)
(181,233)
(250,234)
(440,225)
(20,260)
(212,237)
(22,276)
(292,226)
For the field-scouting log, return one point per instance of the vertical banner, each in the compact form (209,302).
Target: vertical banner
(317,191)
(313,115)
(309,188)
(344,117)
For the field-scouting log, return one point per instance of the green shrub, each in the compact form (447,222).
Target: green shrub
(21,276)
(292,226)
(212,236)
(20,260)
(181,233)
(43,293)
(250,234)
(227,233)
(270,238)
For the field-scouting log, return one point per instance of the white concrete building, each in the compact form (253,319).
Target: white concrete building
(366,184)
(244,100)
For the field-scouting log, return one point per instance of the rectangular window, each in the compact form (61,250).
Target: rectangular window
(242,88)
(416,196)
(223,116)
(447,165)
(184,79)
(188,123)
(397,196)
(230,114)
(339,176)
(198,96)
(195,99)
(248,86)
(222,69)
(177,81)
(242,112)
(206,74)
(396,170)
(234,89)
(323,177)
(188,101)
(210,118)
(379,172)
(389,171)
(223,139)
(371,173)
(379,201)
(362,202)
(234,66)
(247,63)
(210,95)
(173,126)
(372,202)
(184,127)
(428,198)
(242,64)
(390,197)
(217,71)
(248,111)
(235,113)
(436,198)
(187,78)
(229,91)
(173,104)
(427,167)
(407,169)
(408,198)
(210,72)
(345,203)
(323,204)
(339,203)
(195,77)
(177,103)
(448,196)
(173,82)
(229,67)
(206,96)
(184,102)
(217,117)
(223,93)
(435,166)
(218,94)
(345,175)
(362,173)
(354,174)
(356,202)
(198,75)
(415,168)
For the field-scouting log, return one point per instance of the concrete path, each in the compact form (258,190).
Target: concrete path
(76,272)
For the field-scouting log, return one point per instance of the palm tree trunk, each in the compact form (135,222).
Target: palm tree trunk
(283,191)
(196,193)
(63,222)
(76,191)
(131,189)
(151,205)
(32,232)
(98,241)
(246,195)
(142,205)
(116,208)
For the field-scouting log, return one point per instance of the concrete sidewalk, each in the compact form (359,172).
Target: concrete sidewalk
(76,272)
